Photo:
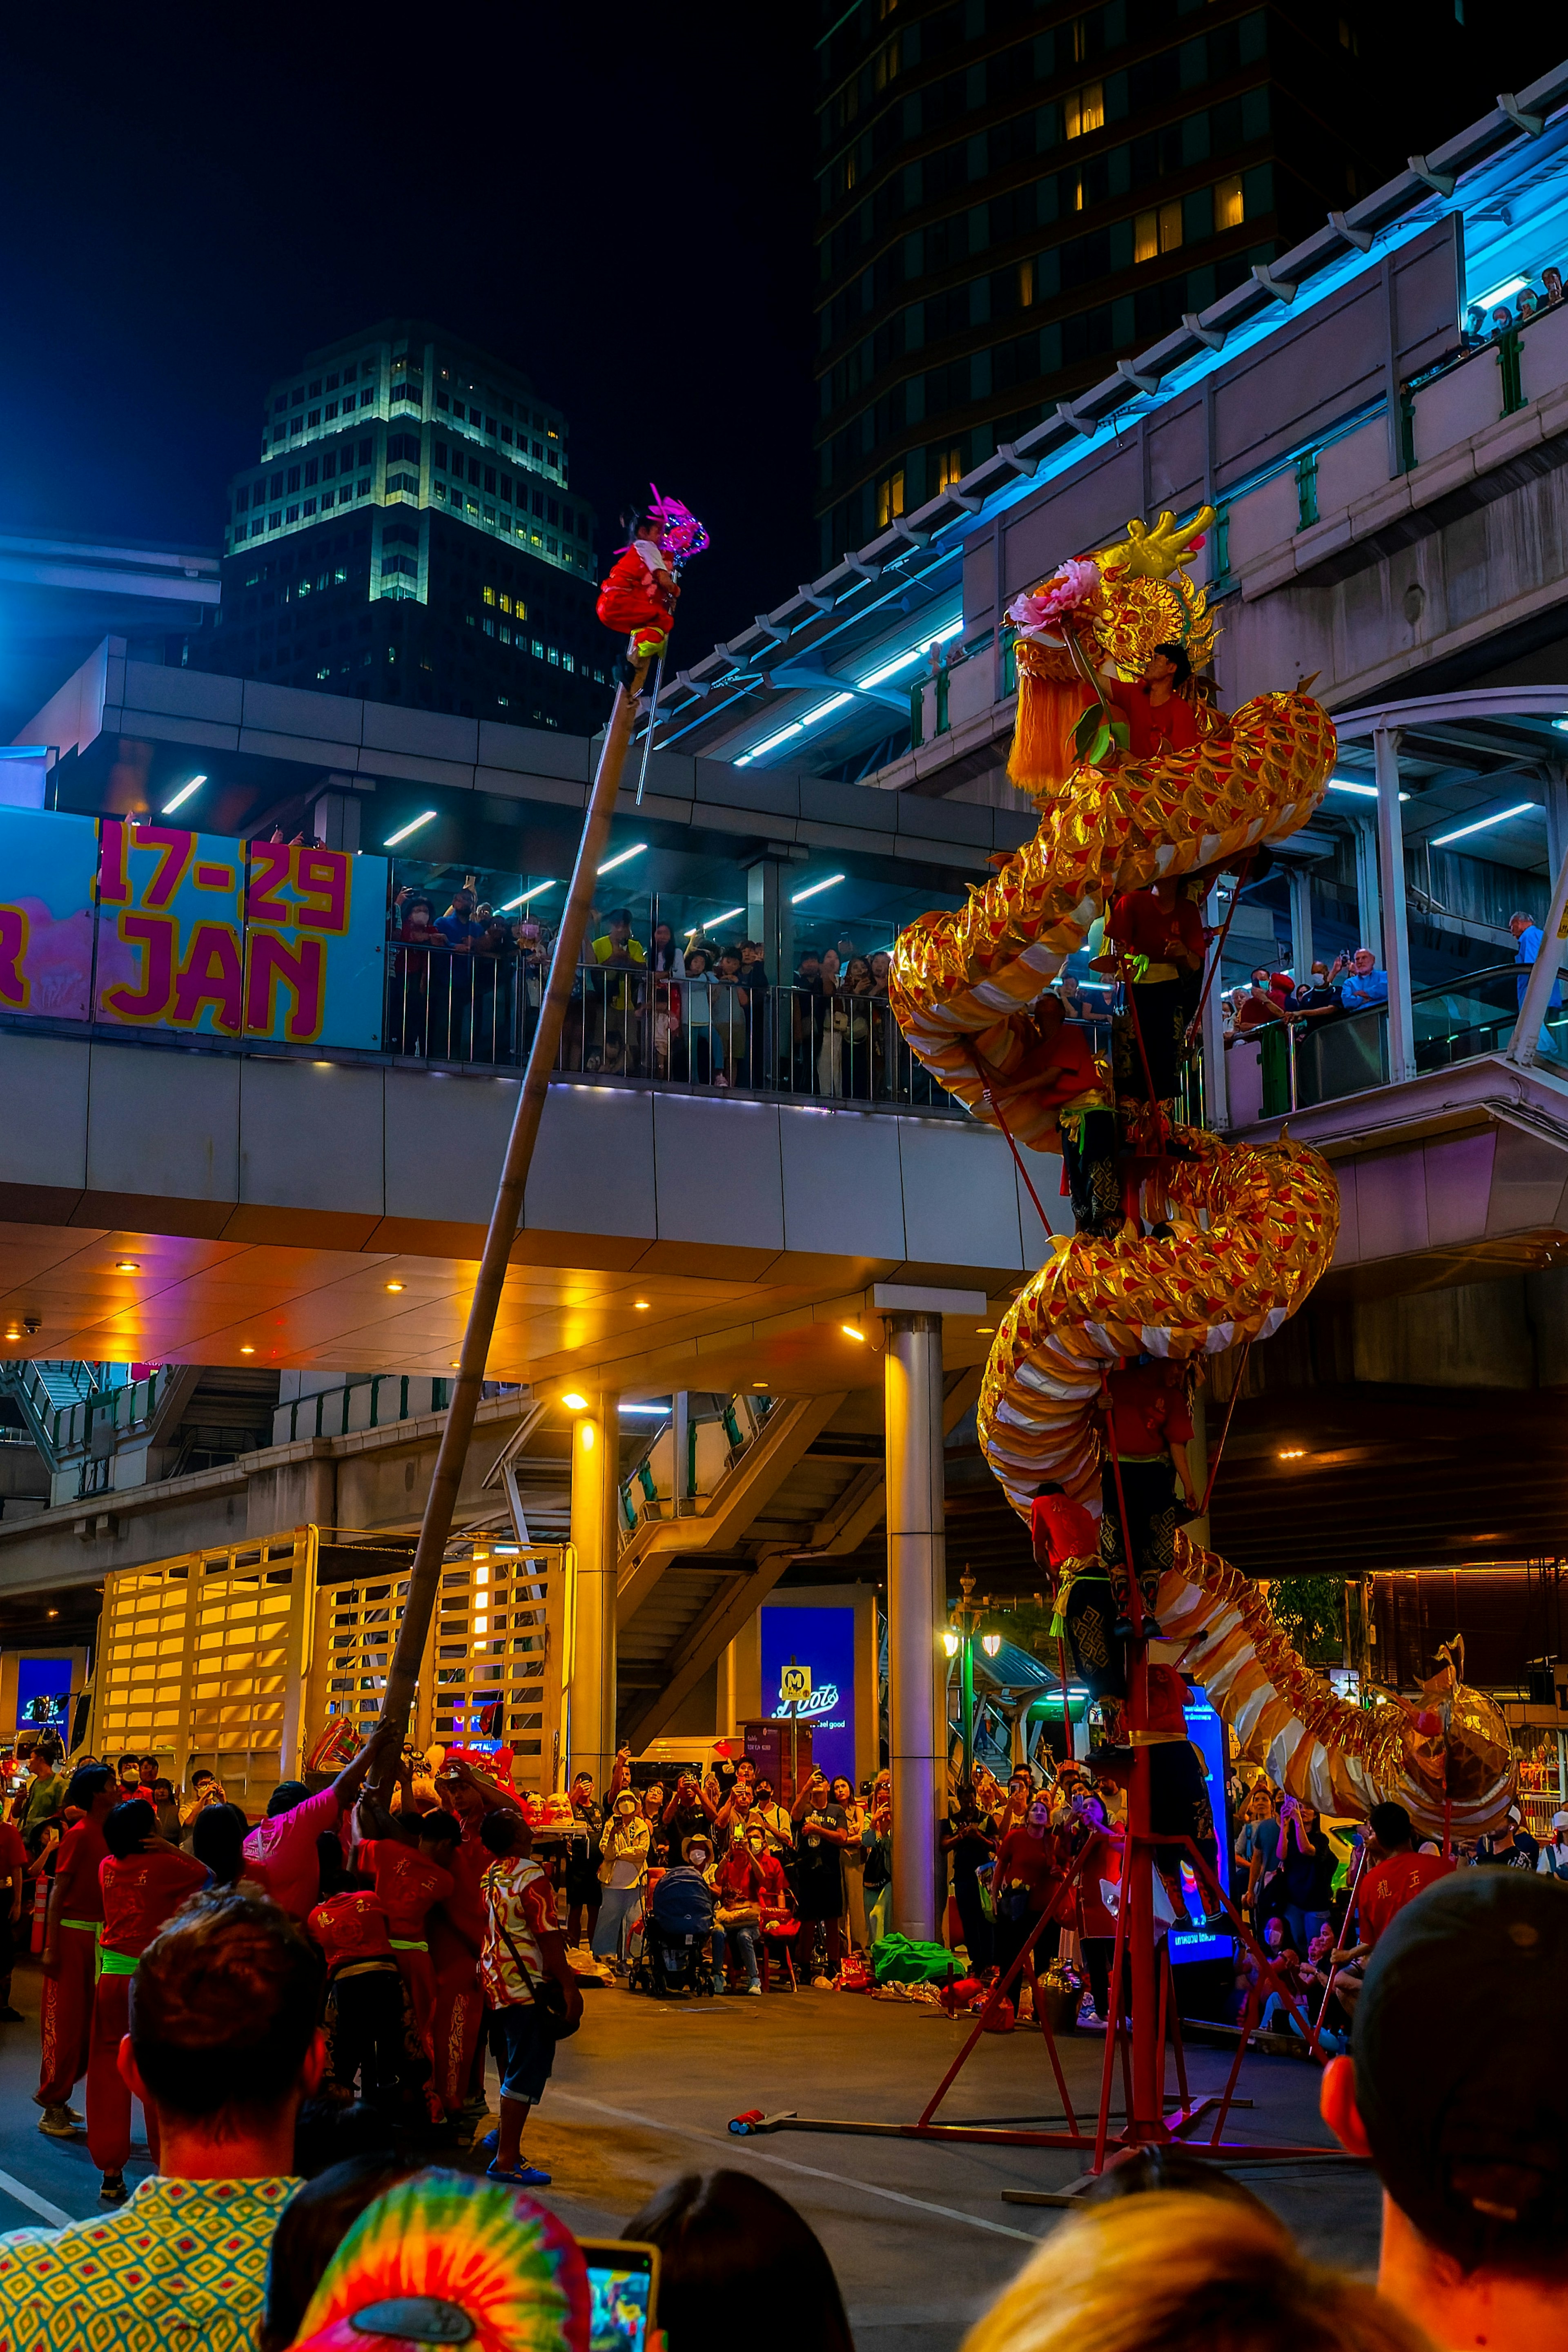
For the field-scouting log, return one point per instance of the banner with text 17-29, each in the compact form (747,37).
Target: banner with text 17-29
(229,938)
(46,866)
(170,937)
(315,923)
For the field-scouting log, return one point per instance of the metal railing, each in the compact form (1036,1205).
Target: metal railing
(1321,1061)
(626,1023)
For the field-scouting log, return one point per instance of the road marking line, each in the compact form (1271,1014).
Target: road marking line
(33,2203)
(810,2172)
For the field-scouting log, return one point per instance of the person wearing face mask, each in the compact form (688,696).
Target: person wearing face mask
(697,1853)
(751,1878)
(746,1878)
(623,1871)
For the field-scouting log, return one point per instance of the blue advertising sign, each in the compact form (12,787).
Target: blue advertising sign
(823,1640)
(47,866)
(1206,1732)
(43,1694)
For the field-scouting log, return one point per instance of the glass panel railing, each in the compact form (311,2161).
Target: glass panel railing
(1453,1020)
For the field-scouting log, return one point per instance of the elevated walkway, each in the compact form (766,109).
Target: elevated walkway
(1446,1178)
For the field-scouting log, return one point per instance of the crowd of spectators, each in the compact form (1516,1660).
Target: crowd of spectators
(466,984)
(1353,983)
(272,2223)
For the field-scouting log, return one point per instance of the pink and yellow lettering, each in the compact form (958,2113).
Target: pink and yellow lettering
(321,877)
(270,862)
(113,877)
(15,988)
(211,974)
(155,935)
(175,853)
(302,970)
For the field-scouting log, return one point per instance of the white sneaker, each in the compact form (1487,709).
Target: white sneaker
(754,1990)
(58,2122)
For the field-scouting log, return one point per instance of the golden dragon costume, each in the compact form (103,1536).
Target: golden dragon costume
(1250,1229)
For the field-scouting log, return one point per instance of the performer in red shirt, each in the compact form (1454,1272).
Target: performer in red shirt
(364,2011)
(1393,1874)
(1025,1881)
(1096,1850)
(144,1881)
(1160,718)
(71,1945)
(1148,1430)
(1058,1070)
(409,1880)
(1156,943)
(639,595)
(457,1930)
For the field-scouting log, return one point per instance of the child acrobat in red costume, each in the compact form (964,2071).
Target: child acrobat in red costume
(640,595)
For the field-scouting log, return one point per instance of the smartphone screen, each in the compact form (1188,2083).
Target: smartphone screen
(622,2280)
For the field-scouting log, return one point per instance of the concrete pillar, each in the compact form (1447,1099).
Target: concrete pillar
(595,1542)
(768,919)
(680,1455)
(1556,782)
(1396,930)
(1300,883)
(916,1613)
(1367,916)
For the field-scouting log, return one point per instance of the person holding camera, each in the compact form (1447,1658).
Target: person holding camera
(824,1832)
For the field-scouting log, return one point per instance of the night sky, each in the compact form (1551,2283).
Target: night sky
(617,200)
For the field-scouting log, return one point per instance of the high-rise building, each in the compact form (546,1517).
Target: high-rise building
(408,534)
(1013,196)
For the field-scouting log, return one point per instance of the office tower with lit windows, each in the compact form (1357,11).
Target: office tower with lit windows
(1013,197)
(408,534)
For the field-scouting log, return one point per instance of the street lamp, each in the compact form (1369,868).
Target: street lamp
(958,1641)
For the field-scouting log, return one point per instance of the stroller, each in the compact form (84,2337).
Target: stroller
(677,1926)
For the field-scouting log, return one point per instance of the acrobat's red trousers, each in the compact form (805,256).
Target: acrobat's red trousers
(633,608)
(108,2100)
(459,2013)
(66,2018)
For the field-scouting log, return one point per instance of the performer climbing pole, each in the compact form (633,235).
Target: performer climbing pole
(643,605)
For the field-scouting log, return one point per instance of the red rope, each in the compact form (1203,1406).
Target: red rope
(1212,973)
(996,1108)
(1230,1413)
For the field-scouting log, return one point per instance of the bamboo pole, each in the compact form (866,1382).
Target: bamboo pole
(435,1527)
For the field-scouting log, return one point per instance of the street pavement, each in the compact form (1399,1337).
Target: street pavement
(917,2233)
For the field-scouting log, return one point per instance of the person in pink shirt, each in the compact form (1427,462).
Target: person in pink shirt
(280,1852)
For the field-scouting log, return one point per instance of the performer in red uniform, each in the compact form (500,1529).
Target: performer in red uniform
(1149,1430)
(1158,935)
(1160,718)
(409,1880)
(364,2012)
(144,1881)
(457,1930)
(71,1945)
(639,595)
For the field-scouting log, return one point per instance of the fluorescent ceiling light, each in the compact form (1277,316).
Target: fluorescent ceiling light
(538,891)
(725,918)
(1526,808)
(404,831)
(182,795)
(797,727)
(1561,724)
(903,660)
(1366,791)
(812,890)
(1514,285)
(621,856)
(662,1410)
